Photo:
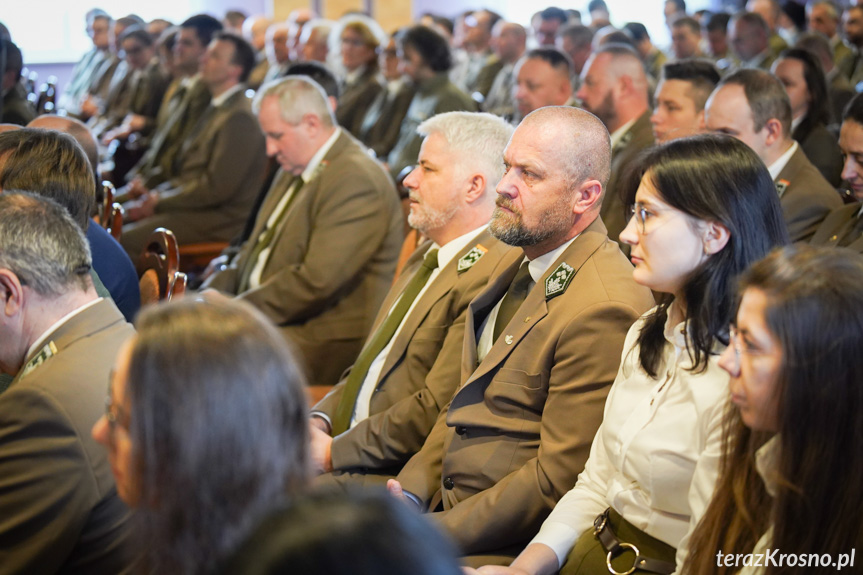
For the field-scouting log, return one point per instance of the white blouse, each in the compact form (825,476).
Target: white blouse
(655,458)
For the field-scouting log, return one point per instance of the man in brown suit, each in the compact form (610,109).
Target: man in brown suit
(220,165)
(844,226)
(380,416)
(752,106)
(537,361)
(614,87)
(324,247)
(59,509)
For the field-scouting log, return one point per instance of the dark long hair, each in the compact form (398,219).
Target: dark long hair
(816,86)
(713,178)
(815,311)
(218,429)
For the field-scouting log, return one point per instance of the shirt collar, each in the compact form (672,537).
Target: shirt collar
(618,134)
(40,341)
(452,248)
(319,155)
(219,100)
(538,266)
(767,463)
(776,167)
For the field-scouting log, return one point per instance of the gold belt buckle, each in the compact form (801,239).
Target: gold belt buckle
(629,546)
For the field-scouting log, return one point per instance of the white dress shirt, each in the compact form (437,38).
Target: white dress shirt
(656,455)
(445,255)
(776,167)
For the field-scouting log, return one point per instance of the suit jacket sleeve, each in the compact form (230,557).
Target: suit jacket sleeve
(514,508)
(351,221)
(237,145)
(46,486)
(392,436)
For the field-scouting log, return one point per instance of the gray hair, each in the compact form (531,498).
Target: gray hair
(297,96)
(42,245)
(478,140)
(325,26)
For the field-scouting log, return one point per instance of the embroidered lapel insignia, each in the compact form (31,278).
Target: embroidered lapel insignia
(781,186)
(48,350)
(558,281)
(469,259)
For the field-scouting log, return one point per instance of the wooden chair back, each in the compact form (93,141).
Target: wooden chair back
(160,261)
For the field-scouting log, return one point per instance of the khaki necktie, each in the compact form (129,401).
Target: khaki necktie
(266,237)
(345,409)
(515,296)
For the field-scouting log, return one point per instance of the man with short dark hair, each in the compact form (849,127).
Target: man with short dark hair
(844,226)
(220,165)
(546,24)
(686,38)
(614,88)
(542,79)
(680,97)
(716,34)
(749,40)
(752,106)
(652,56)
(59,509)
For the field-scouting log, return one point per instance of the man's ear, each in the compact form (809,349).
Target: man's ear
(476,190)
(716,237)
(11,293)
(587,195)
(774,131)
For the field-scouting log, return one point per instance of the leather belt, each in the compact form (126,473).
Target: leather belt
(615,547)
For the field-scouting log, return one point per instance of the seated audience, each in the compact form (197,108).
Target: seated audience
(752,106)
(98,28)
(541,346)
(220,165)
(546,25)
(324,247)
(277,55)
(542,79)
(30,159)
(379,415)
(576,41)
(16,108)
(59,506)
(749,36)
(680,97)
(804,81)
(205,429)
(314,41)
(614,87)
(715,33)
(111,72)
(652,56)
(344,534)
(704,210)
(255,31)
(791,464)
(425,60)
(476,54)
(823,16)
(839,87)
(509,40)
(844,226)
(363,84)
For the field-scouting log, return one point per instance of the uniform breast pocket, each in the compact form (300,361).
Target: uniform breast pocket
(424,346)
(670,478)
(515,393)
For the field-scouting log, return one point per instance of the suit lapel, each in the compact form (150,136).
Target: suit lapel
(534,308)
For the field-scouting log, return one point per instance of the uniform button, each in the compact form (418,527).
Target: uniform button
(461,430)
(448,483)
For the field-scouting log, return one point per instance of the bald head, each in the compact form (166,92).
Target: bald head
(509,40)
(614,86)
(578,137)
(558,161)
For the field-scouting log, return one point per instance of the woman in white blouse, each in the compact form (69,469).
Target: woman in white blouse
(789,496)
(705,208)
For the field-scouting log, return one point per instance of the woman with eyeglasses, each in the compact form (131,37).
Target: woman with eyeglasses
(793,446)
(704,209)
(206,430)
(359,39)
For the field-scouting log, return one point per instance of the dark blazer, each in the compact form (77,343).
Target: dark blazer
(380,126)
(357,98)
(637,138)
(332,259)
(115,270)
(59,509)
(487,74)
(822,149)
(519,429)
(837,224)
(221,167)
(413,387)
(805,196)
